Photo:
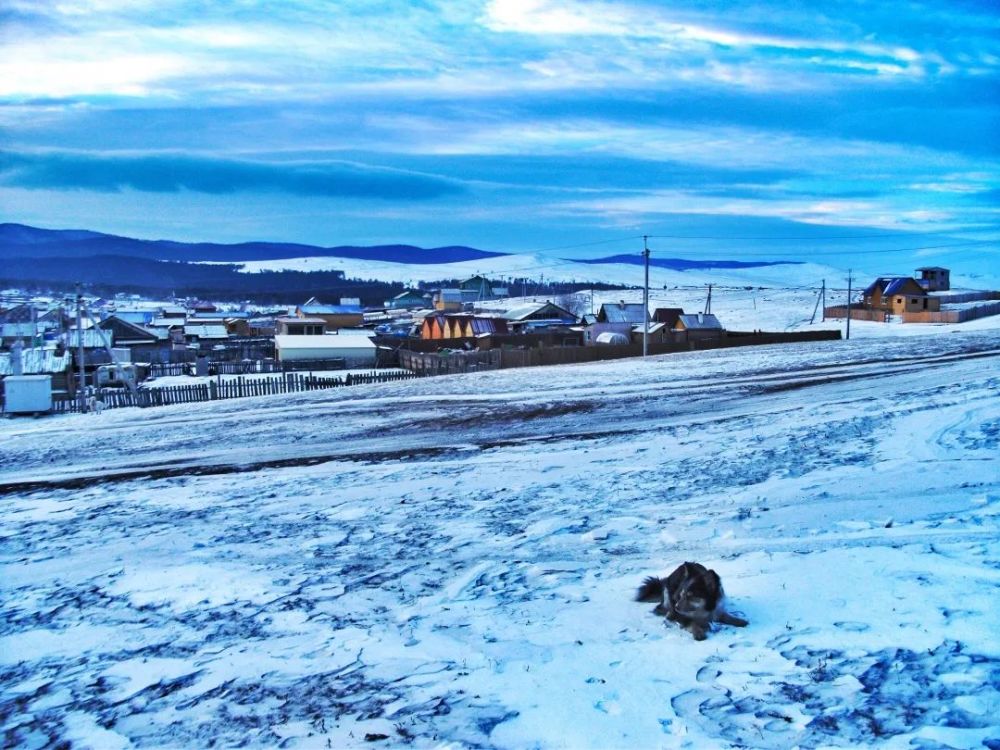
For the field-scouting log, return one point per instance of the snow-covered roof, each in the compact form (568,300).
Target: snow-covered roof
(325,341)
(701,321)
(36,361)
(206,332)
(92,338)
(630,312)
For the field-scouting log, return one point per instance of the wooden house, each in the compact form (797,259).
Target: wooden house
(699,327)
(631,313)
(898,295)
(335,316)
(934,278)
(667,315)
(145,344)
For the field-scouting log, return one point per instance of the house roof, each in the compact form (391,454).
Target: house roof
(127,330)
(619,312)
(330,309)
(701,321)
(653,327)
(325,341)
(932,268)
(522,312)
(894,285)
(206,332)
(35,361)
(450,295)
(92,338)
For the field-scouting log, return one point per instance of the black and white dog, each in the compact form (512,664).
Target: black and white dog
(691,596)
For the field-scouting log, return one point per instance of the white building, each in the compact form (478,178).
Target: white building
(355,349)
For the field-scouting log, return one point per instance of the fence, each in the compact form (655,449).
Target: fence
(427,363)
(839,312)
(939,316)
(247,367)
(953,316)
(113,398)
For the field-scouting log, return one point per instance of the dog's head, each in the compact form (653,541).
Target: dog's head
(694,591)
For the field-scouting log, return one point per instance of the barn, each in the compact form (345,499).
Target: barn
(356,350)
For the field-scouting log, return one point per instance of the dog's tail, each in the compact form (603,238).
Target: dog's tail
(651,590)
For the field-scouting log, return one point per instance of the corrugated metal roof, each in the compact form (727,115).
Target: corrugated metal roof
(92,338)
(704,322)
(619,313)
(206,332)
(330,309)
(36,362)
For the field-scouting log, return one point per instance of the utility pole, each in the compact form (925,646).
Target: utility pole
(848,336)
(708,302)
(821,296)
(645,299)
(82,382)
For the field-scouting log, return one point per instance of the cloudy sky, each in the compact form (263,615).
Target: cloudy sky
(510,125)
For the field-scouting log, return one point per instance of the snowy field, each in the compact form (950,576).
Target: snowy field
(449,562)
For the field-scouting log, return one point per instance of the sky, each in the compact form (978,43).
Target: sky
(780,129)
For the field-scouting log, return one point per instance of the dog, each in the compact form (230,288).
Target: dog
(692,597)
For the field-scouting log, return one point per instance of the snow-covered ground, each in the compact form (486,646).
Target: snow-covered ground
(450,562)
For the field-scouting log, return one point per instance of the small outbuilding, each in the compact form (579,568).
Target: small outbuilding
(356,350)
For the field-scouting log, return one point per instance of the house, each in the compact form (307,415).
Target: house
(448,300)
(145,344)
(934,278)
(411,299)
(293,326)
(480,287)
(699,327)
(540,312)
(632,313)
(355,349)
(205,335)
(92,341)
(667,315)
(899,294)
(335,316)
(457,326)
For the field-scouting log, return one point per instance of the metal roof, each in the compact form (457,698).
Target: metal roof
(206,332)
(330,309)
(632,312)
(36,361)
(703,322)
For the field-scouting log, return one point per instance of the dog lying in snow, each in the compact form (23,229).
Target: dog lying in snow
(691,596)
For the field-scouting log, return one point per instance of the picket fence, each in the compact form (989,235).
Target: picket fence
(215,390)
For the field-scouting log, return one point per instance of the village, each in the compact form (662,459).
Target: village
(84,353)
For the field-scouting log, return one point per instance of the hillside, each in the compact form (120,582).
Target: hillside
(452,560)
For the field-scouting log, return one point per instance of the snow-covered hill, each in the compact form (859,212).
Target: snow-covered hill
(450,562)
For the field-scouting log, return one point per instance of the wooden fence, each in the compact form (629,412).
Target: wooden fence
(427,363)
(113,398)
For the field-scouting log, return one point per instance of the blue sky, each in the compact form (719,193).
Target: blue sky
(508,125)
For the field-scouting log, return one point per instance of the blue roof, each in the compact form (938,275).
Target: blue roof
(329,309)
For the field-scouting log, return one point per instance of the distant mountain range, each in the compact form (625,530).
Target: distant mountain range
(20,242)
(23,243)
